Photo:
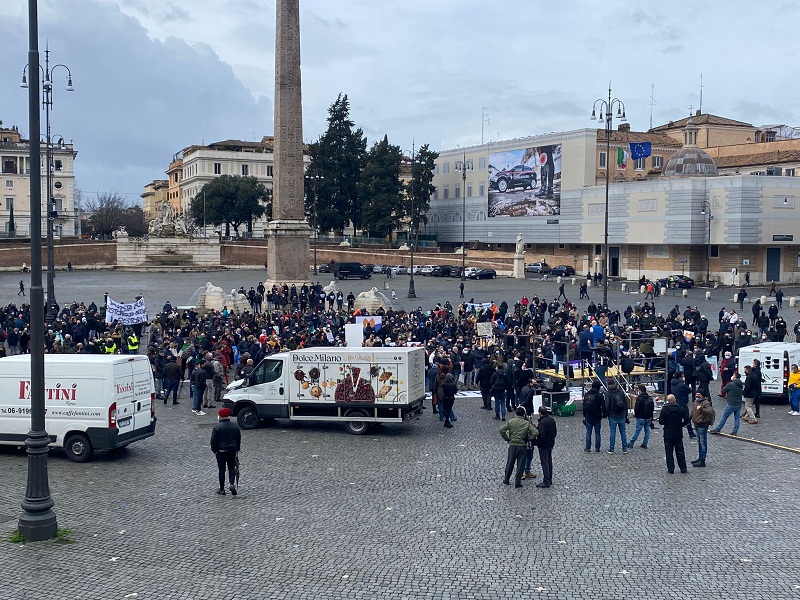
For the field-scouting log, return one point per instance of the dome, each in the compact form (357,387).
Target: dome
(690,161)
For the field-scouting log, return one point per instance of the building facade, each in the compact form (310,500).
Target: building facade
(15,163)
(155,193)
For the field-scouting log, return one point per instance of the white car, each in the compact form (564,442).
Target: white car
(426,270)
(470,271)
(399,270)
(417,269)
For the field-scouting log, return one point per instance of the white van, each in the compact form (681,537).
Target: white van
(776,359)
(92,401)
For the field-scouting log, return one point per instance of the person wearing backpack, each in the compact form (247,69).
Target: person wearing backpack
(592,416)
(643,411)
(616,409)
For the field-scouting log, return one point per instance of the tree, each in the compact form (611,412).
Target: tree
(231,200)
(420,188)
(380,189)
(337,158)
(134,222)
(106,213)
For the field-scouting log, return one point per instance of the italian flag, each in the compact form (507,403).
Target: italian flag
(622,159)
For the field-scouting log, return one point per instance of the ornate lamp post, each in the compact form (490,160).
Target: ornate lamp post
(705,209)
(464,166)
(47,104)
(606,109)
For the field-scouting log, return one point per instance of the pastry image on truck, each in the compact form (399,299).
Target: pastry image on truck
(357,386)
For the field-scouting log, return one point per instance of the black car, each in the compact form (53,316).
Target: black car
(441,271)
(520,176)
(484,274)
(352,270)
(676,281)
(562,270)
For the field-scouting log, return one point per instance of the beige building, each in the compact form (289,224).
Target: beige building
(155,193)
(15,163)
(680,218)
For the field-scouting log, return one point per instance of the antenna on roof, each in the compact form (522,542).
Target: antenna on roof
(652,103)
(701,93)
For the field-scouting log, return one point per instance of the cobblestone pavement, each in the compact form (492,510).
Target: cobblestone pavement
(407,511)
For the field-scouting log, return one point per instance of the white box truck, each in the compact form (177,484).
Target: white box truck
(356,386)
(776,359)
(92,401)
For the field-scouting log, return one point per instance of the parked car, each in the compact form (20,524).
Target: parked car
(400,270)
(418,269)
(520,176)
(676,281)
(352,270)
(537,267)
(484,274)
(378,269)
(562,270)
(426,270)
(455,271)
(470,271)
(441,271)
(323,268)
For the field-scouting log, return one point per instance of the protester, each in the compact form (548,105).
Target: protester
(226,443)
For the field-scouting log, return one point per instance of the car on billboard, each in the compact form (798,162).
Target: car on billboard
(520,176)
(562,270)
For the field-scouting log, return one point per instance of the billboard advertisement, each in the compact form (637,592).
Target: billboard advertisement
(525,182)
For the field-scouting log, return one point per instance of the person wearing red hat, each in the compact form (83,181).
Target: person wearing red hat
(226,442)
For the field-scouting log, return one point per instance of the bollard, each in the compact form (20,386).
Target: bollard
(708,295)
(624,287)
(664,291)
(558,279)
(573,281)
(792,301)
(685,293)
(642,289)
(588,283)
(763,300)
(736,297)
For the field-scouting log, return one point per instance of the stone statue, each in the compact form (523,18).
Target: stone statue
(120,232)
(165,213)
(520,246)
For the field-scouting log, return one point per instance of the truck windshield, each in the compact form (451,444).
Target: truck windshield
(267,371)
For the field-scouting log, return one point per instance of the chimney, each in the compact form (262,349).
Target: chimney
(624,127)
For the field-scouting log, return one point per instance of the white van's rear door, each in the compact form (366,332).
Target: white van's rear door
(143,391)
(124,396)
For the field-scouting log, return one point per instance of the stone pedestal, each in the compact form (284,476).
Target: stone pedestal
(167,254)
(287,254)
(519,267)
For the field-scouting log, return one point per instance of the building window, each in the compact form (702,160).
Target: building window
(446,193)
(481,190)
(58,204)
(482,163)
(217,168)
(269,171)
(9,203)
(602,160)
(435,193)
(9,183)
(770,136)
(714,251)
(598,249)
(245,170)
(658,251)
(789,172)
(458,192)
(639,164)
(436,169)
(469,191)
(445,168)
(658,162)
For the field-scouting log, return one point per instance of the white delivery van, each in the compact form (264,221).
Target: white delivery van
(776,358)
(92,401)
(357,386)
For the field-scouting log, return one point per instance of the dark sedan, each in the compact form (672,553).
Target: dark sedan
(676,281)
(484,274)
(441,271)
(562,271)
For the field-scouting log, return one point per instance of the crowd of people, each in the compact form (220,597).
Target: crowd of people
(497,349)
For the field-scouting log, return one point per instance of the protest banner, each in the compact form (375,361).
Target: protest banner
(126,314)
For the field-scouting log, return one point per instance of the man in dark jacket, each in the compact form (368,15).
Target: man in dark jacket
(704,375)
(751,386)
(682,392)
(226,442)
(673,419)
(449,389)
(484,381)
(643,411)
(545,442)
(172,375)
(616,409)
(733,394)
(592,416)
(526,395)
(199,377)
(499,385)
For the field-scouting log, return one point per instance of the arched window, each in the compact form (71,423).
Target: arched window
(457,217)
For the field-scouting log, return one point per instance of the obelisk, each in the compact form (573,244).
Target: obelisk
(288,233)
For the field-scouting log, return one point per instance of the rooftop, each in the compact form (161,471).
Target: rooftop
(702,119)
(761,158)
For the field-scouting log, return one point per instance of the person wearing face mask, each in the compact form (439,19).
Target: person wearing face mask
(468,368)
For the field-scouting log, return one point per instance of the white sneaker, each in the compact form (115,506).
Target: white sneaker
(794,413)
(200,413)
(194,411)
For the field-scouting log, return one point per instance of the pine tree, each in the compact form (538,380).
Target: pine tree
(417,200)
(380,189)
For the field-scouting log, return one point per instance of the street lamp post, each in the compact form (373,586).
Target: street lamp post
(314,179)
(412,292)
(47,105)
(608,107)
(464,166)
(37,521)
(705,209)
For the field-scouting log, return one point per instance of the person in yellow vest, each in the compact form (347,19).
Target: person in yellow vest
(110,347)
(133,343)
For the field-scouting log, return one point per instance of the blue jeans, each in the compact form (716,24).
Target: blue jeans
(499,402)
(440,410)
(736,411)
(528,459)
(641,424)
(794,399)
(590,426)
(702,441)
(172,388)
(197,401)
(613,423)
(601,373)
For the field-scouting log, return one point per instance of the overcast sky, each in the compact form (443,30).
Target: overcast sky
(154,76)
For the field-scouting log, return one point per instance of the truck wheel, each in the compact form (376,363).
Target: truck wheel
(356,427)
(78,448)
(248,418)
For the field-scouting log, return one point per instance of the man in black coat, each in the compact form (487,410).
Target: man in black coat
(673,419)
(681,392)
(545,442)
(484,381)
(226,442)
